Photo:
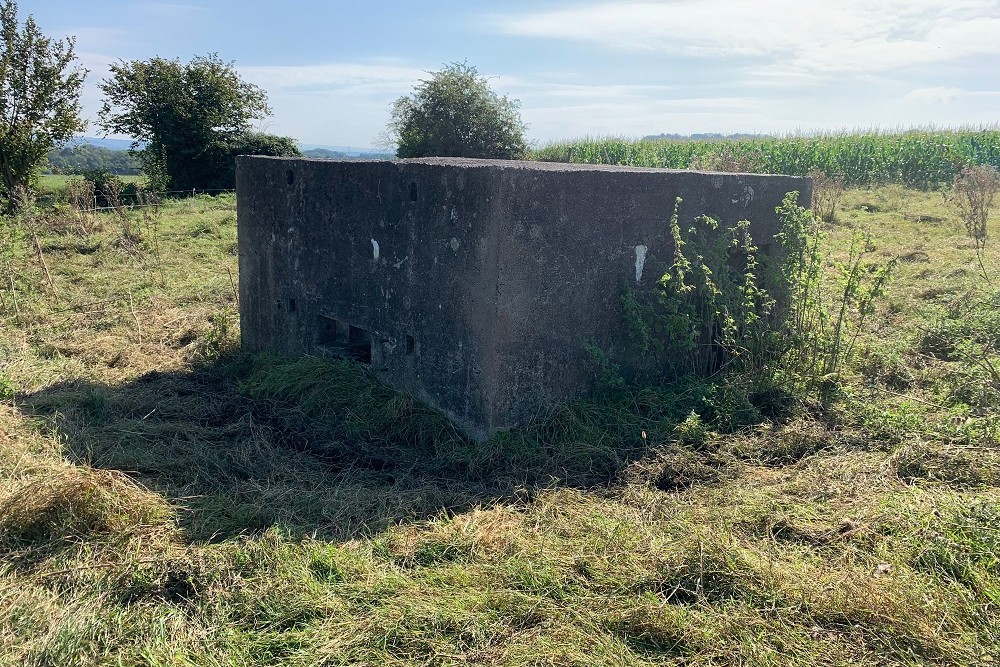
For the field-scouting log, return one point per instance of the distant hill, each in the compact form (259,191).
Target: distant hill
(86,153)
(323,153)
(102,142)
(346,151)
(326,153)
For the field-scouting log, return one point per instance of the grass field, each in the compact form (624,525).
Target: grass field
(167,501)
(54,184)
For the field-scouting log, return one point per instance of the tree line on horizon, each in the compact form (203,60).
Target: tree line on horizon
(80,159)
(77,159)
(190,120)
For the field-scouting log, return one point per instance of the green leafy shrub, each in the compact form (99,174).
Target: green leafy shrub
(825,316)
(110,191)
(193,118)
(454,113)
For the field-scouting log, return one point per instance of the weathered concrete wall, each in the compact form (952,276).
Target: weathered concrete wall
(475,281)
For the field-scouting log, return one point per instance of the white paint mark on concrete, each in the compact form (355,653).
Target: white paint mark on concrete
(375,249)
(746,197)
(400,262)
(454,243)
(454,213)
(640,261)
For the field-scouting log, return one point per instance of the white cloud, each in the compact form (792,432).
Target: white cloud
(171,10)
(933,95)
(561,110)
(355,98)
(517,87)
(90,37)
(629,120)
(333,75)
(813,36)
(349,100)
(944,95)
(328,117)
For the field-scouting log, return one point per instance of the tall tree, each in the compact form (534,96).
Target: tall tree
(39,101)
(190,117)
(454,113)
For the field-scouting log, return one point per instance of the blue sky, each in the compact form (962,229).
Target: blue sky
(621,68)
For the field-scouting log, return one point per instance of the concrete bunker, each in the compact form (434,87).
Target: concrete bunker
(471,284)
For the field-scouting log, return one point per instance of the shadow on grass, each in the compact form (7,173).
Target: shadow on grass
(320,448)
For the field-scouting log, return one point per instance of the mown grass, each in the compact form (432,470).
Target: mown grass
(917,158)
(167,501)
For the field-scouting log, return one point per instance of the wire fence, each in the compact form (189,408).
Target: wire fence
(154,198)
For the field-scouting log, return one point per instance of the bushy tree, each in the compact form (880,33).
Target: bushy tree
(252,143)
(454,113)
(190,118)
(39,101)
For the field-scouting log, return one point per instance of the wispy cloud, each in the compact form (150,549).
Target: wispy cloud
(171,10)
(811,36)
(333,76)
(90,38)
(553,107)
(353,97)
(944,95)
(542,87)
(933,95)
(609,118)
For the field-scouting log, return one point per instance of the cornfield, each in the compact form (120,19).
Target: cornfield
(920,158)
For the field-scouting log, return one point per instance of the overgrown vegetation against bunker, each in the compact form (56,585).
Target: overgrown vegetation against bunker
(830,497)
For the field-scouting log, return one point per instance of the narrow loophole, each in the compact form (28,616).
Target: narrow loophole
(413,191)
(410,345)
(291,305)
(290,177)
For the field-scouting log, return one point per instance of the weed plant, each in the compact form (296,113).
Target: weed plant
(827,191)
(973,192)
